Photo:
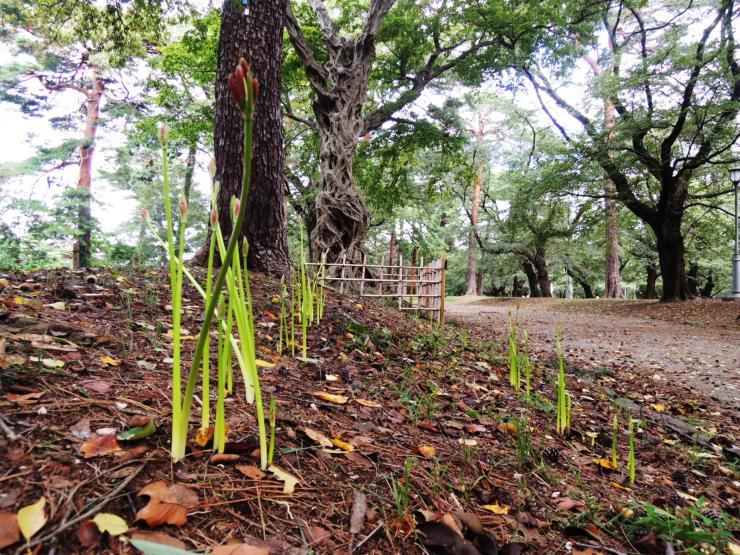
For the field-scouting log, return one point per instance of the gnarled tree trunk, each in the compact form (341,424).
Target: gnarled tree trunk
(259,38)
(531,273)
(670,246)
(543,275)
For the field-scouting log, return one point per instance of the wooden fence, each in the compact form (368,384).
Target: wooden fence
(419,288)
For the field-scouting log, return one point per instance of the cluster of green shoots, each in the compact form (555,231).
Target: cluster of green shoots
(563,398)
(519,362)
(227,297)
(631,464)
(306,304)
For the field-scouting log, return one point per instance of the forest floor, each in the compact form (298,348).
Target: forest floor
(695,343)
(402,437)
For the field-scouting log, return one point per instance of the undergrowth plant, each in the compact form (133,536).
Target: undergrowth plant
(631,468)
(283,333)
(615,432)
(527,365)
(245,89)
(514,370)
(401,489)
(563,399)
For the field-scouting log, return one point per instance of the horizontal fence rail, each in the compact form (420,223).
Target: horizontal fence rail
(419,288)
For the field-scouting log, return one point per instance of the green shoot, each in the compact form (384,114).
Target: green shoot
(615,431)
(401,489)
(631,461)
(273,423)
(293,306)
(283,318)
(563,399)
(514,351)
(527,364)
(205,413)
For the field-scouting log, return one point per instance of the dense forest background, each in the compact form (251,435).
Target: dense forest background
(547,148)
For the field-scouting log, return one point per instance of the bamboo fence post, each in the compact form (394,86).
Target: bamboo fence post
(380,280)
(362,275)
(442,290)
(341,279)
(400,281)
(412,274)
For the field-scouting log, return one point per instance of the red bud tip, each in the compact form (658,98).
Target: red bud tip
(237,206)
(256,89)
(183,206)
(214,217)
(244,65)
(237,89)
(164,133)
(144,214)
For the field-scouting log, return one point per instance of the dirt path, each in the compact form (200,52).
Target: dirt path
(696,345)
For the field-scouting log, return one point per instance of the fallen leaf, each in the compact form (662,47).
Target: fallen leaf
(318,437)
(223,458)
(367,403)
(167,504)
(437,534)
(133,453)
(358,459)
(290,481)
(155,548)
(99,445)
(658,408)
(239,549)
(48,362)
(61,305)
(359,510)
(98,386)
(343,445)
(497,509)
(427,451)
(467,442)
(9,532)
(566,504)
(204,435)
(32,518)
(88,534)
(158,537)
(617,485)
(264,364)
(16,398)
(139,432)
(605,463)
(316,536)
(331,397)
(113,524)
(250,471)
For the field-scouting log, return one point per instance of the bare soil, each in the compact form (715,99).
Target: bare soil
(693,344)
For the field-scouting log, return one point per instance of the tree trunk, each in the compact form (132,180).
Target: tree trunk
(529,271)
(479,275)
(84,181)
(652,277)
(516,287)
(342,220)
(543,275)
(692,279)
(259,38)
(612,283)
(472,251)
(669,240)
(706,291)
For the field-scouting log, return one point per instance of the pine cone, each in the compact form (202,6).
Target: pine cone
(551,454)
(711,513)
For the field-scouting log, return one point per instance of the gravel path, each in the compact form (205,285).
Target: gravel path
(698,352)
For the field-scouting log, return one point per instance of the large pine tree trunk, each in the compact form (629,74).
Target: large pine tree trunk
(472,251)
(84,181)
(258,37)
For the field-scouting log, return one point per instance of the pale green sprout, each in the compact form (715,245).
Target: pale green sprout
(615,432)
(631,466)
(514,371)
(563,399)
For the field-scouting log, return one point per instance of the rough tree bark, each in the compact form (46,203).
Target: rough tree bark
(612,281)
(651,279)
(84,181)
(258,37)
(543,275)
(531,273)
(472,251)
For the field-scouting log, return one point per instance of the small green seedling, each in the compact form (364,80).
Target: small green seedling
(563,399)
(615,432)
(631,467)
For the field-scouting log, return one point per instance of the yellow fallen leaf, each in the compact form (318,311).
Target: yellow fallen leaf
(658,408)
(318,437)
(110,361)
(113,524)
(670,441)
(605,463)
(617,485)
(290,481)
(343,445)
(497,509)
(467,442)
(264,364)
(371,404)
(331,397)
(349,336)
(331,378)
(427,451)
(204,435)
(32,518)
